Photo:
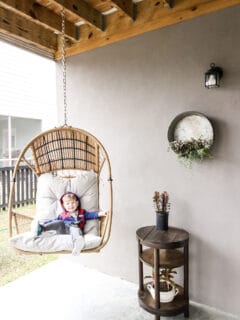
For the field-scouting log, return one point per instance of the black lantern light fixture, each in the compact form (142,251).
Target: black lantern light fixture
(213,76)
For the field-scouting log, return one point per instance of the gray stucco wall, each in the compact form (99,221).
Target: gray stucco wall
(127,94)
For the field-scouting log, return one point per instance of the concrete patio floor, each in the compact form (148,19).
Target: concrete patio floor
(66,290)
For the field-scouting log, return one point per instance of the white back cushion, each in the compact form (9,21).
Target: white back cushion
(51,187)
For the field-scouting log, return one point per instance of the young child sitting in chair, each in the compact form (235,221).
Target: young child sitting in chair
(72,220)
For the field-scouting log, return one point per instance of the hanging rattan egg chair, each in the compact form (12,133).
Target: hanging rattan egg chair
(85,169)
(68,151)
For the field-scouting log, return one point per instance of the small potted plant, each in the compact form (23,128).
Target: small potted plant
(162,207)
(167,287)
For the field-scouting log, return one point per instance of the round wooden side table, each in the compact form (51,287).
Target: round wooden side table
(163,249)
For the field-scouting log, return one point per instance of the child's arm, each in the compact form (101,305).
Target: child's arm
(94,214)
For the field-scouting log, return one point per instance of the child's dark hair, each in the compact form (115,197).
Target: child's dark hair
(70,196)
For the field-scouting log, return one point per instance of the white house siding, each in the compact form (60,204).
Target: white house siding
(27,85)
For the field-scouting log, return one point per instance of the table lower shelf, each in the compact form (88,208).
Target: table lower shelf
(178,305)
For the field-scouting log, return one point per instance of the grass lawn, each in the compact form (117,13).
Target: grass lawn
(12,264)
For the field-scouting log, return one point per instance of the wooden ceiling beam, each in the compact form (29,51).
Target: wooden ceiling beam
(42,14)
(85,11)
(18,27)
(36,24)
(151,16)
(127,6)
(42,51)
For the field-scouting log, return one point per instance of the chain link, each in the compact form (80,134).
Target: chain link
(64,68)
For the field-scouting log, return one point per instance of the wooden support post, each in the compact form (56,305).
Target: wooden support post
(186,284)
(140,267)
(156,278)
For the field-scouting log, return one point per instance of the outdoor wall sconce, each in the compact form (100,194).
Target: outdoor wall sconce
(213,76)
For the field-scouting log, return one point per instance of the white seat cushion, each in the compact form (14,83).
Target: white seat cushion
(53,243)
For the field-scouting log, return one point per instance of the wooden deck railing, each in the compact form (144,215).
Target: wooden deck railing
(25,191)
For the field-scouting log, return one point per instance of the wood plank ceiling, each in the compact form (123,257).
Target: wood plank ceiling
(36,24)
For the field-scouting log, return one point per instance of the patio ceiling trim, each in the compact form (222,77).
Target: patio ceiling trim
(36,24)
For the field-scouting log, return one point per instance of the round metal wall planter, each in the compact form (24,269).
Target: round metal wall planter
(191,125)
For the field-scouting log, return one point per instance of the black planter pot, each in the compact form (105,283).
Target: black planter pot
(161,220)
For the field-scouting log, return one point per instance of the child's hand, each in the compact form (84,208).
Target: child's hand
(102,213)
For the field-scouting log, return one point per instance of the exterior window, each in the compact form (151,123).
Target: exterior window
(15,133)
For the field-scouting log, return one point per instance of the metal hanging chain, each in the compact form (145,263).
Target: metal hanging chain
(64,68)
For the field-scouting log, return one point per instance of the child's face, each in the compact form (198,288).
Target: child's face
(70,205)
